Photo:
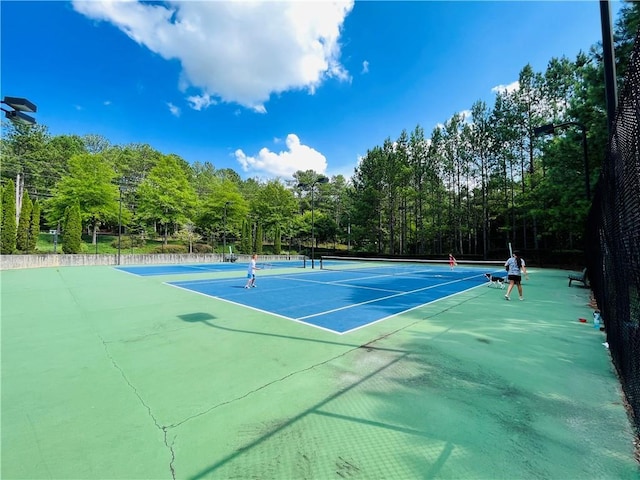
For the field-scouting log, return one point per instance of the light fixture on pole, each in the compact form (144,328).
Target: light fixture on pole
(320,179)
(551,128)
(224,231)
(19,106)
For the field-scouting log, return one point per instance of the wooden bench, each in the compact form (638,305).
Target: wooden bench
(579,277)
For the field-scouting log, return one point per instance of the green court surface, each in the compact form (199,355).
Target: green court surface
(106,375)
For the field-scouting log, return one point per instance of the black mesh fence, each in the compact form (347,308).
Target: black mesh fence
(613,239)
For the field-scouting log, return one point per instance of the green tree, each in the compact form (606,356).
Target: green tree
(625,34)
(166,196)
(24,223)
(274,204)
(245,239)
(259,239)
(72,231)
(204,178)
(223,196)
(481,146)
(277,239)
(133,163)
(367,196)
(324,228)
(89,183)
(1,204)
(188,235)
(34,227)
(27,159)
(9,226)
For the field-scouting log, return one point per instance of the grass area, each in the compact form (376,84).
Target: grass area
(108,244)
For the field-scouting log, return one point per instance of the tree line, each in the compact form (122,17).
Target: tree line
(481,180)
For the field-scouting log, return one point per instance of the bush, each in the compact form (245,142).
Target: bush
(202,248)
(171,249)
(128,242)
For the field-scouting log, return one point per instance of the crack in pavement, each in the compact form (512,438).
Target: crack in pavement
(163,428)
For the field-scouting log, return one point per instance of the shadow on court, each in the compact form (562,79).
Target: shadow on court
(205,317)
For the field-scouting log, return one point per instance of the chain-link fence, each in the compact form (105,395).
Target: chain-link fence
(613,239)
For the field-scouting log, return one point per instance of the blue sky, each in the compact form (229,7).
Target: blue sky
(268,89)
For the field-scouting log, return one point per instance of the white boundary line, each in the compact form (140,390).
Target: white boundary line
(301,319)
(387,297)
(253,308)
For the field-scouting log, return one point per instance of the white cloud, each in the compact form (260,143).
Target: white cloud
(466,116)
(199,102)
(512,87)
(237,52)
(365,67)
(106,103)
(175,111)
(284,163)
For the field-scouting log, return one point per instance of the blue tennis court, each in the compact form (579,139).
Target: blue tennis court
(341,301)
(154,270)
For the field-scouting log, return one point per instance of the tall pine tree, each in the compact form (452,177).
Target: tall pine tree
(245,241)
(34,227)
(258,239)
(277,240)
(72,233)
(22,236)
(9,227)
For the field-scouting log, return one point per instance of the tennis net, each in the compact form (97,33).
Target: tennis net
(413,267)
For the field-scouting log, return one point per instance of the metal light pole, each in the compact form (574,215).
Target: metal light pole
(349,233)
(133,208)
(550,129)
(224,231)
(320,179)
(55,237)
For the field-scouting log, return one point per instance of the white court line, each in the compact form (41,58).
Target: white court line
(387,297)
(301,319)
(337,284)
(254,308)
(410,309)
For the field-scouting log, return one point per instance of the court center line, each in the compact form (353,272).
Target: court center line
(335,283)
(385,298)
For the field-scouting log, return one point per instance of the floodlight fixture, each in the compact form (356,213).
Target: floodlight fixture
(544,129)
(19,106)
(16,116)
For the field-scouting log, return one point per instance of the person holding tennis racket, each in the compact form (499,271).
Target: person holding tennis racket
(515,268)
(251,272)
(452,261)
